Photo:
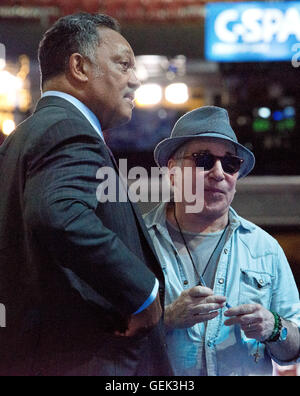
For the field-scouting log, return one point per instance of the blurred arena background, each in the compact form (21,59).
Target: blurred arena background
(240,55)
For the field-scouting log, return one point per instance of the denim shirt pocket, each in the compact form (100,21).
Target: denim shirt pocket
(255,288)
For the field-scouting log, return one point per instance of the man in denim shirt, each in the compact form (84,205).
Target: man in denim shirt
(232,304)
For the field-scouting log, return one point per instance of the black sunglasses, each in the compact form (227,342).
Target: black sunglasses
(230,163)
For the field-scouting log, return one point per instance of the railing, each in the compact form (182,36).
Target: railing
(269,200)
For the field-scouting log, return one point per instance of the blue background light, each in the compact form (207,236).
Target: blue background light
(278,115)
(289,112)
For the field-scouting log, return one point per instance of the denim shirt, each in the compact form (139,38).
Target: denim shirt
(252,269)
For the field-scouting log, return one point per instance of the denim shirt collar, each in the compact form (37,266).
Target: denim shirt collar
(157,218)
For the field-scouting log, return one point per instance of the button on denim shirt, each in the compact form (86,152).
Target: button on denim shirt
(252,269)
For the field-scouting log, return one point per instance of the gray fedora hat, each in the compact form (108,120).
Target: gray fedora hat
(207,121)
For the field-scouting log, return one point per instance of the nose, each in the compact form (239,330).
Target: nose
(134,82)
(217,171)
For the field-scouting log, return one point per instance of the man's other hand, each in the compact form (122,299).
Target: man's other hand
(145,321)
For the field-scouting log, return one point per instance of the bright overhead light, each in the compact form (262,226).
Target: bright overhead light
(264,112)
(8,127)
(149,95)
(9,83)
(142,72)
(177,93)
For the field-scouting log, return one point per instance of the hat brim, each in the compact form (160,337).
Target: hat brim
(165,149)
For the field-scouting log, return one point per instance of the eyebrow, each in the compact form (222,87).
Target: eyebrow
(128,53)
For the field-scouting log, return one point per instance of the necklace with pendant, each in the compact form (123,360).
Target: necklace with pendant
(256,355)
(200,276)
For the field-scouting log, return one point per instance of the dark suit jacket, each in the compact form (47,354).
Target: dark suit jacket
(72,270)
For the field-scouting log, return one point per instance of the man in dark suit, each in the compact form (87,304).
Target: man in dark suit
(79,279)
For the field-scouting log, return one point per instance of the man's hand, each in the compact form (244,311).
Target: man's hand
(255,320)
(145,321)
(193,306)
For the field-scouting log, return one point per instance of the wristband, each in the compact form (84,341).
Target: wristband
(277,329)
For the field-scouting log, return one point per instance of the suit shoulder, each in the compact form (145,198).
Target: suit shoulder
(53,124)
(49,117)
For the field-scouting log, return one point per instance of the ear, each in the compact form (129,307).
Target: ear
(78,68)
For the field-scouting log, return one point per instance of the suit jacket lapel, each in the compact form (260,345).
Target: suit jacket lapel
(134,207)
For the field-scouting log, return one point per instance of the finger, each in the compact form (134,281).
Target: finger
(200,318)
(200,291)
(136,332)
(251,329)
(232,321)
(252,336)
(243,320)
(248,321)
(203,309)
(221,300)
(241,310)
(214,300)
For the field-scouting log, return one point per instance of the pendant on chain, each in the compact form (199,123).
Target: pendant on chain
(257,355)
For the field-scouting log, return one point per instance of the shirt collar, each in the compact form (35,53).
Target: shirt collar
(89,115)
(157,217)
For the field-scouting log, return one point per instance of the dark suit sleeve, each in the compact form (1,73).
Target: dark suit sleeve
(60,204)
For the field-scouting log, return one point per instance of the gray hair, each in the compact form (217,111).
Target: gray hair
(180,153)
(76,33)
